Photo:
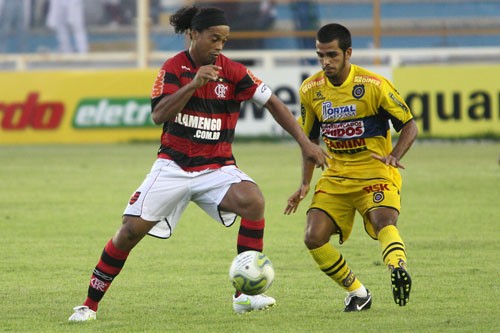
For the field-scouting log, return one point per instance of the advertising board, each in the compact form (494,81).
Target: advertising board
(95,106)
(452,101)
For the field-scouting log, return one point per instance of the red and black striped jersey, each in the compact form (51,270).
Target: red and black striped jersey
(201,135)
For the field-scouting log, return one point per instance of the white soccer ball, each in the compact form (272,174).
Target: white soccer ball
(251,272)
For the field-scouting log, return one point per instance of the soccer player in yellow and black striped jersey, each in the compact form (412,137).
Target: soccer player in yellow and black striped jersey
(351,109)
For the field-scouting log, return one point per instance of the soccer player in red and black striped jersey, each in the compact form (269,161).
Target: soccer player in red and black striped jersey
(196,97)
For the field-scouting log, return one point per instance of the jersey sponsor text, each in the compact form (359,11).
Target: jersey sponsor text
(337,112)
(345,130)
(158,85)
(376,188)
(347,146)
(367,79)
(312,84)
(208,128)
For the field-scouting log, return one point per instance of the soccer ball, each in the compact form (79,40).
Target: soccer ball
(251,272)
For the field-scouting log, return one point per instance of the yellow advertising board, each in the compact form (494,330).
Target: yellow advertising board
(76,106)
(94,106)
(452,101)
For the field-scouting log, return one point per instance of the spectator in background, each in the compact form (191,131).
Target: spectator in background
(305,17)
(267,14)
(249,16)
(14,24)
(155,8)
(113,13)
(262,19)
(66,15)
(39,10)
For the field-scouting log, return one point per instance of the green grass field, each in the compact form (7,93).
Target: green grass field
(60,204)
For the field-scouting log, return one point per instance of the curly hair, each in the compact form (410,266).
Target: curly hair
(181,20)
(199,19)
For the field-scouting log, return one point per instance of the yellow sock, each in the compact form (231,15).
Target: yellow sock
(393,247)
(331,262)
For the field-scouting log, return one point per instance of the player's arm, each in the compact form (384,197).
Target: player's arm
(406,138)
(310,126)
(408,135)
(403,122)
(310,151)
(170,105)
(307,173)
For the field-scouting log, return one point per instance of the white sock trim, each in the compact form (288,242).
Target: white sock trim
(360,292)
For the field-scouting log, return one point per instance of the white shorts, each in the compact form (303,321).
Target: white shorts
(168,189)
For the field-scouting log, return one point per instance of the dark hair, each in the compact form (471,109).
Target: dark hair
(194,18)
(334,31)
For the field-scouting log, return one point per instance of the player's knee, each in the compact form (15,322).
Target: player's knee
(377,226)
(258,203)
(246,200)
(319,229)
(313,241)
(253,207)
(128,235)
(383,217)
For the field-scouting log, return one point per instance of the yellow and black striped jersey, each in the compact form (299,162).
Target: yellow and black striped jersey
(353,120)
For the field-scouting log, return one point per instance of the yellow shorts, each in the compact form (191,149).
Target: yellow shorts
(340,198)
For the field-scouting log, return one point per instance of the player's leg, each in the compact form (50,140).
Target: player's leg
(246,200)
(57,20)
(77,23)
(320,227)
(228,192)
(384,220)
(114,255)
(110,264)
(163,194)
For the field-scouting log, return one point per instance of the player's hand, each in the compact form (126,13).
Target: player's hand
(389,160)
(206,74)
(316,154)
(295,199)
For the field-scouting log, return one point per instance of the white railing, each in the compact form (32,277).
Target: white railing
(260,58)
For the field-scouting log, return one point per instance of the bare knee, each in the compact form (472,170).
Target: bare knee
(383,217)
(255,207)
(244,199)
(313,240)
(132,230)
(319,229)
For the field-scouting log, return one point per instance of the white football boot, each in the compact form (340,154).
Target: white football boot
(82,313)
(246,303)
